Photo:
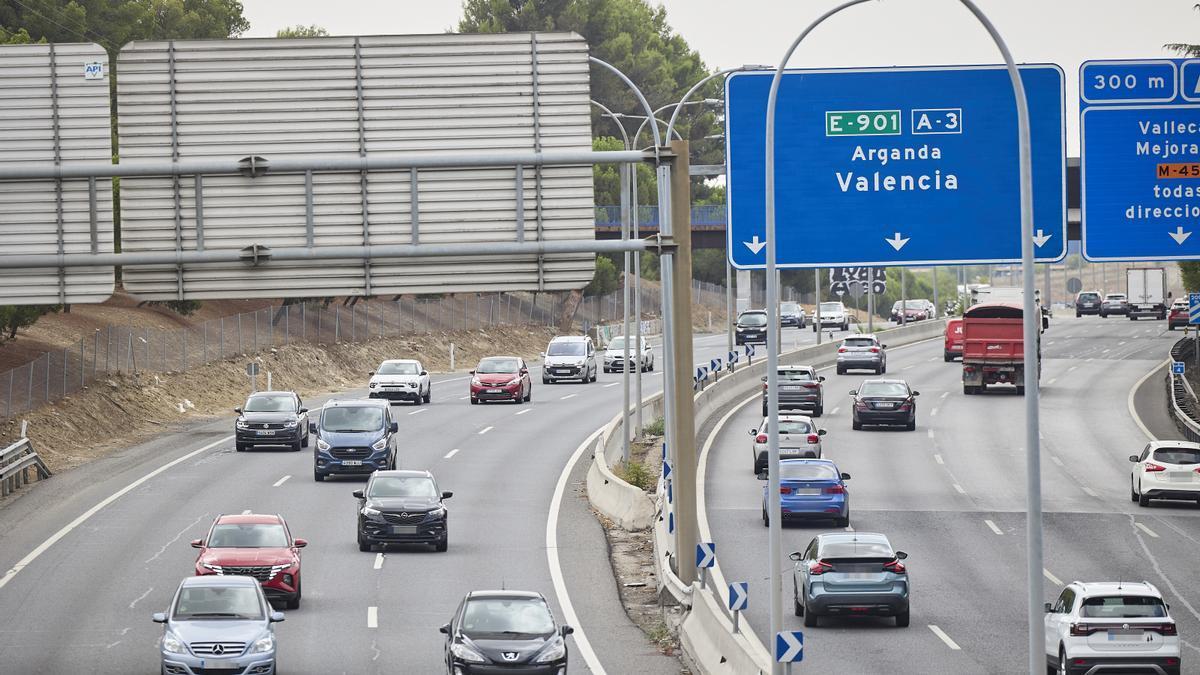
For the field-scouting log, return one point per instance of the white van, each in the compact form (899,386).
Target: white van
(569,357)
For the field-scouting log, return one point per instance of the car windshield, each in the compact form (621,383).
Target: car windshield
(1177,456)
(856,549)
(789,308)
(1122,607)
(348,419)
(859,342)
(883,389)
(248,535)
(566,349)
(216,602)
(794,375)
(618,344)
(402,486)
(270,403)
(507,616)
(915,304)
(789,471)
(754,319)
(830,307)
(398,369)
(497,366)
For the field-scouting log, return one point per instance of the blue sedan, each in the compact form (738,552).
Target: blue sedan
(810,488)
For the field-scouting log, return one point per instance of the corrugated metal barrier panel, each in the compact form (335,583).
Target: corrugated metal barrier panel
(344,97)
(54,110)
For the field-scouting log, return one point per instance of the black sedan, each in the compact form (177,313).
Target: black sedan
(272,418)
(402,507)
(890,402)
(505,631)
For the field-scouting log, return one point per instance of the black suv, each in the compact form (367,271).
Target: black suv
(1087,302)
(356,437)
(751,327)
(402,507)
(272,418)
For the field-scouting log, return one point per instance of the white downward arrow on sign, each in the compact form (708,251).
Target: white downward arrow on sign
(1179,235)
(1040,239)
(897,242)
(755,245)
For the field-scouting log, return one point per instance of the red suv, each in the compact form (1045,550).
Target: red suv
(1178,316)
(254,546)
(501,378)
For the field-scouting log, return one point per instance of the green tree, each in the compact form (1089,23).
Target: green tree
(299,31)
(14,317)
(1190,271)
(606,279)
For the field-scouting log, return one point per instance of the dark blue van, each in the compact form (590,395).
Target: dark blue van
(354,437)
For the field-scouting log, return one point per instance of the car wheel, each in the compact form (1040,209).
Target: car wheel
(1062,662)
(765,409)
(606,369)
(797,608)
(911,426)
(529,396)
(298,445)
(442,544)
(842,522)
(363,544)
(1133,496)
(902,619)
(306,440)
(759,467)
(1132,317)
(1020,390)
(429,394)
(766,519)
(841,370)
(318,476)
(418,400)
(241,447)
(947,357)
(818,411)
(810,619)
(1077,315)
(856,425)
(1171,327)
(474,401)
(883,369)
(1143,500)
(1103,315)
(294,602)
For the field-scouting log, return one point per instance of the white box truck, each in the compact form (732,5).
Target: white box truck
(1146,289)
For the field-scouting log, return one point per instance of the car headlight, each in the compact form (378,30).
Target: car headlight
(379,444)
(322,445)
(372,384)
(369,512)
(740,329)
(438,512)
(475,382)
(515,380)
(216,568)
(263,644)
(290,424)
(553,652)
(172,644)
(241,424)
(461,651)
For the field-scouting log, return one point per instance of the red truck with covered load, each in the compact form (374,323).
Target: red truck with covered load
(993,347)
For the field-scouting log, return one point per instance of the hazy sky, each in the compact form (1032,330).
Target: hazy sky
(888,32)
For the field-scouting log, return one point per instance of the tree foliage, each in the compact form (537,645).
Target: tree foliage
(15,317)
(299,31)
(112,23)
(1190,271)
(606,279)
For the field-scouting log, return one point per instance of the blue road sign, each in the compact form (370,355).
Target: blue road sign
(706,554)
(789,646)
(739,596)
(701,373)
(732,357)
(671,523)
(1139,159)
(1194,308)
(749,351)
(894,166)
(666,469)
(1177,367)
(714,365)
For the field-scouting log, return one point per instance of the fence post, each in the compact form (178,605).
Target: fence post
(337,324)
(287,323)
(11,375)
(222,346)
(183,353)
(82,367)
(256,331)
(204,343)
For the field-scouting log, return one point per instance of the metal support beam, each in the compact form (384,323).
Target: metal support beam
(199,189)
(537,146)
(683,448)
(414,206)
(55,124)
(175,196)
(362,152)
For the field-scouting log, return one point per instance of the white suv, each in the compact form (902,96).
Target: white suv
(1110,627)
(614,354)
(1165,470)
(833,315)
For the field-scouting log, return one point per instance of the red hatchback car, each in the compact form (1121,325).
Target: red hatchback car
(254,546)
(1178,316)
(501,378)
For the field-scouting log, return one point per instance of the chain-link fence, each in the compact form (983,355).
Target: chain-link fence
(125,349)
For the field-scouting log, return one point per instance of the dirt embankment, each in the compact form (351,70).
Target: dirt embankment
(124,410)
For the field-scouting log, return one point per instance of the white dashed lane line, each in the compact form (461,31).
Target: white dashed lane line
(993,528)
(1145,529)
(485,430)
(451,454)
(1056,460)
(611,384)
(463,398)
(944,394)
(281,481)
(246,512)
(959,489)
(929,433)
(525,411)
(568,396)
(378,561)
(418,411)
(1090,491)
(944,638)
(938,459)
(933,413)
(372,617)
(1051,578)
(835,410)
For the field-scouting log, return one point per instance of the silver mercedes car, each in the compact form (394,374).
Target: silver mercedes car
(218,624)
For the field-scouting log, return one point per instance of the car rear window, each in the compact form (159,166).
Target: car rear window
(1122,607)
(756,319)
(806,472)
(1177,455)
(856,549)
(1114,296)
(789,427)
(793,375)
(1088,297)
(883,389)
(859,342)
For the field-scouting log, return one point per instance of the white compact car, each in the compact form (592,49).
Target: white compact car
(401,380)
(1111,627)
(1165,470)
(569,357)
(833,315)
(614,354)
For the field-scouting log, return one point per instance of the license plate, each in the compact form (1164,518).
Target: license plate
(351,462)
(220,665)
(885,404)
(563,371)
(1122,635)
(860,576)
(404,529)
(807,491)
(1180,476)
(791,387)
(266,432)
(494,391)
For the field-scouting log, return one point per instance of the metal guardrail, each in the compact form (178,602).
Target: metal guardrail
(17,461)
(1183,401)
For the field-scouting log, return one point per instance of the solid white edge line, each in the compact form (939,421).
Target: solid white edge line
(944,638)
(1133,390)
(66,529)
(281,481)
(1145,529)
(993,527)
(378,561)
(556,575)
(1051,578)
(372,617)
(485,430)
(451,454)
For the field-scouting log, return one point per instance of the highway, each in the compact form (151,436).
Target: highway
(85,603)
(952,495)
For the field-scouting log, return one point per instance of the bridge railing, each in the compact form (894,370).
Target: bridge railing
(705,216)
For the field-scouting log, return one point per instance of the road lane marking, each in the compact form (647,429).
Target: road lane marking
(378,561)
(1051,578)
(1056,460)
(908,367)
(247,512)
(944,638)
(933,413)
(140,597)
(1071,368)
(1129,399)
(451,454)
(525,411)
(835,410)
(1120,343)
(66,529)
(281,481)
(959,488)
(372,617)
(485,430)
(556,573)
(611,384)
(1106,351)
(1145,529)
(929,433)
(463,398)
(418,411)
(567,397)
(944,394)
(1052,380)
(1090,491)
(993,528)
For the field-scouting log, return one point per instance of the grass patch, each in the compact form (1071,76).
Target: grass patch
(654,428)
(660,634)
(636,474)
